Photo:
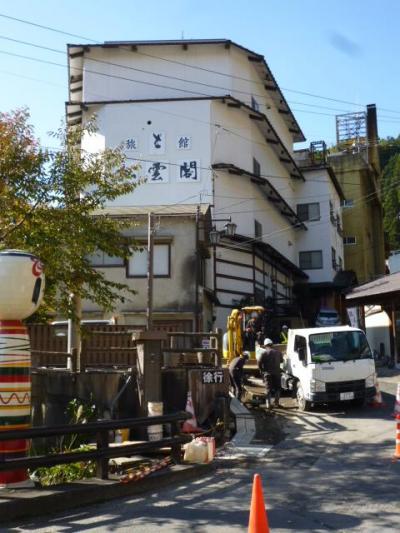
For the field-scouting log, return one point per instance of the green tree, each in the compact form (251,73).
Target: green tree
(387,148)
(391,200)
(47,205)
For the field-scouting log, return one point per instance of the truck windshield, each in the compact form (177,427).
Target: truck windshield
(339,346)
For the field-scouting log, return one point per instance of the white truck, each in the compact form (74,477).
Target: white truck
(331,364)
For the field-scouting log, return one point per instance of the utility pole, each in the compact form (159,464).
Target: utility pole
(150,276)
(197,273)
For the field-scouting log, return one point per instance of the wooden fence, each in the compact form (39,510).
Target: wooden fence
(102,345)
(112,346)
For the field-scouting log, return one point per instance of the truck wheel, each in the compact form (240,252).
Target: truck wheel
(302,403)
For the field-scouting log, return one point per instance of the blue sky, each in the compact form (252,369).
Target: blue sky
(343,49)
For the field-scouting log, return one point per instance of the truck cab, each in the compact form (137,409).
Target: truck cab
(329,364)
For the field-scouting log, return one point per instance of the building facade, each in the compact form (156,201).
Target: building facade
(321,251)
(357,168)
(206,124)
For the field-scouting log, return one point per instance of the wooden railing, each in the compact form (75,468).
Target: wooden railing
(103,452)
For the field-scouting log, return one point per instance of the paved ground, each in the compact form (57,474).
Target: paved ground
(333,472)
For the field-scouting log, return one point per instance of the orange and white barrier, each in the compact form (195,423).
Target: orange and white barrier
(377,401)
(190,425)
(397,445)
(396,410)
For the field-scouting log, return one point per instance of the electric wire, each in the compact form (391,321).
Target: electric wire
(197,67)
(152,73)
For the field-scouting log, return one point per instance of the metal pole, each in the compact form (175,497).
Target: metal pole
(394,333)
(197,270)
(150,277)
(74,343)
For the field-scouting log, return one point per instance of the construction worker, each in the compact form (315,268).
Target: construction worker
(236,368)
(259,345)
(249,340)
(270,367)
(283,337)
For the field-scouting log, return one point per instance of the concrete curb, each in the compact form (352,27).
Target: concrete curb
(245,424)
(27,503)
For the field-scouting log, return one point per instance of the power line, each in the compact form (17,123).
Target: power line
(197,67)
(135,69)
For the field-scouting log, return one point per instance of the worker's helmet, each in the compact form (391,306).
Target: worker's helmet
(268,342)
(284,326)
(246,355)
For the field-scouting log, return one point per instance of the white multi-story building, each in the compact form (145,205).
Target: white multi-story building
(208,124)
(319,201)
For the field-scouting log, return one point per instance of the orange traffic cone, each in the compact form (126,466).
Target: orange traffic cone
(190,425)
(396,410)
(397,446)
(258,520)
(377,401)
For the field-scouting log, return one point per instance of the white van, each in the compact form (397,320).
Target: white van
(329,365)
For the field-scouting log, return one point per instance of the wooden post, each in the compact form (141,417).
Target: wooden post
(197,274)
(150,277)
(176,450)
(220,346)
(102,462)
(149,363)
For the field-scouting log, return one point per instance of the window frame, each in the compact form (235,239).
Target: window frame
(312,267)
(120,264)
(347,203)
(345,243)
(308,219)
(144,276)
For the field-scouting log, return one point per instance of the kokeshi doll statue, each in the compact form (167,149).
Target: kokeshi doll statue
(21,292)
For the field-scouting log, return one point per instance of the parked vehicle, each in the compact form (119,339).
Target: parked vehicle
(327,317)
(324,365)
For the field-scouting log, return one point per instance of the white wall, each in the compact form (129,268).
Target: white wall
(119,123)
(237,195)
(175,293)
(377,329)
(134,64)
(322,234)
(244,90)
(134,76)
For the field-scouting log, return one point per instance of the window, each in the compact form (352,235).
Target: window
(299,343)
(254,104)
(348,203)
(256,167)
(340,263)
(101,259)
(334,265)
(258,231)
(310,260)
(349,240)
(308,212)
(137,266)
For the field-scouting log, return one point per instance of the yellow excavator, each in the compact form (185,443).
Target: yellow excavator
(235,327)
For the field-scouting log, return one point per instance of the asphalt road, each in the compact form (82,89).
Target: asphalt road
(333,472)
